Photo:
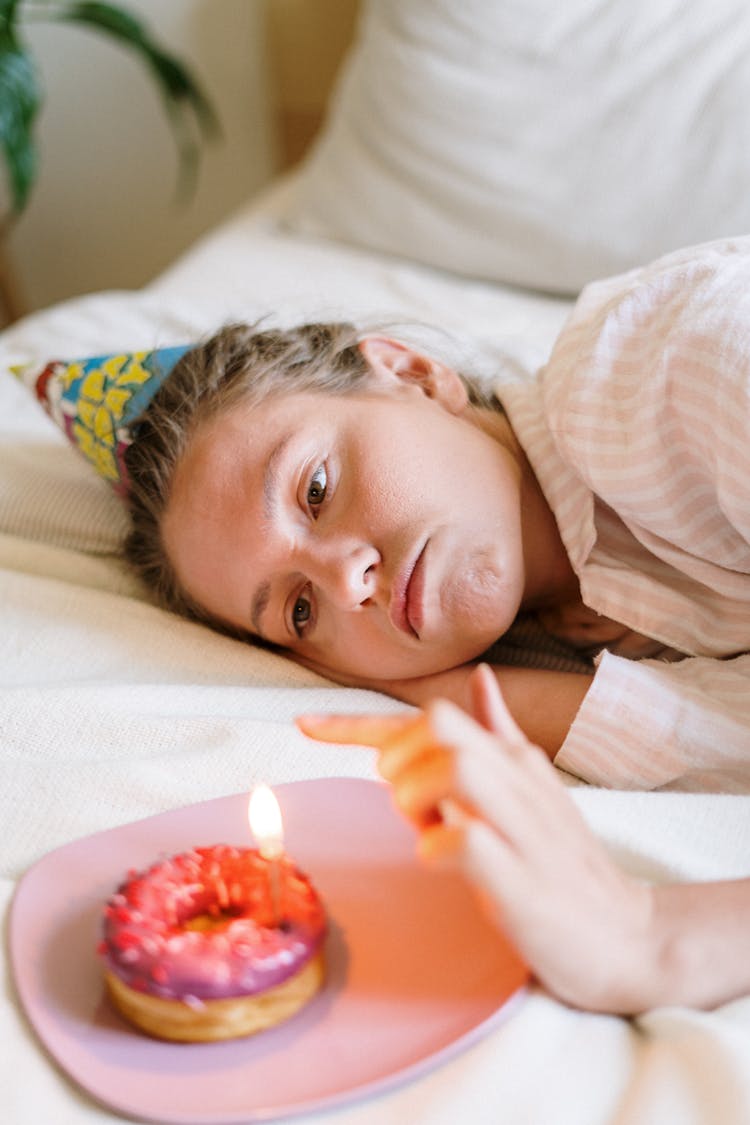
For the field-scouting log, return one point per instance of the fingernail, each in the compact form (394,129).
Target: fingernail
(303,721)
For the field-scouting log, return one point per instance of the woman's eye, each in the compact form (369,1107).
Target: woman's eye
(316,491)
(301,615)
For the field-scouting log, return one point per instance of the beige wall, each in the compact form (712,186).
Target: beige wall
(307,41)
(103,214)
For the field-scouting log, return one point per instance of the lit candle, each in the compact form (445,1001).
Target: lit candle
(264,817)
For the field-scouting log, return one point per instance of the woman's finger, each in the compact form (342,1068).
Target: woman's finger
(441,843)
(487,777)
(405,746)
(419,790)
(362,730)
(489,708)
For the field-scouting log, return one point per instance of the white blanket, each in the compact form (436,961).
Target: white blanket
(112,710)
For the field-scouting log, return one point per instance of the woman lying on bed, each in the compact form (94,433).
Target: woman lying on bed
(358,504)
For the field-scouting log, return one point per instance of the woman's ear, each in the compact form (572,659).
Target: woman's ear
(390,359)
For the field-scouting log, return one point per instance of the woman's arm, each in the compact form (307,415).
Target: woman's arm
(481,795)
(701,935)
(543,703)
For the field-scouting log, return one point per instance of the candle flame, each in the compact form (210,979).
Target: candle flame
(264,817)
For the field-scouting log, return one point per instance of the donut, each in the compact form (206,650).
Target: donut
(212,944)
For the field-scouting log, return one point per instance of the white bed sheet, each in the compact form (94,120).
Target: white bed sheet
(112,710)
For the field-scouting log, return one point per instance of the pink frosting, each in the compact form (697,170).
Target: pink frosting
(149,945)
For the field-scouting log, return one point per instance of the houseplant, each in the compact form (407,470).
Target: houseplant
(189,111)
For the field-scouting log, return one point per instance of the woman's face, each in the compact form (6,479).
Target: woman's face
(376,535)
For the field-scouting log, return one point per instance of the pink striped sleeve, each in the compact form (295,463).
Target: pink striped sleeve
(644,725)
(647,395)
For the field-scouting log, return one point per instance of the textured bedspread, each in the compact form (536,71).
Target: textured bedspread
(112,710)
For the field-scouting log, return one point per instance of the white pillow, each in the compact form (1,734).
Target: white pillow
(537,142)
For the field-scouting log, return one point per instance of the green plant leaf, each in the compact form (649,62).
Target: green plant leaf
(19,103)
(7,14)
(190,112)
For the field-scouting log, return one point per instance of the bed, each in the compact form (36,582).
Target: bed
(465,177)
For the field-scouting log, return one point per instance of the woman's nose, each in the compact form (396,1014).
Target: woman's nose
(347,574)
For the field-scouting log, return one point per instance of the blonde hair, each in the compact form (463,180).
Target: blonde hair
(240,363)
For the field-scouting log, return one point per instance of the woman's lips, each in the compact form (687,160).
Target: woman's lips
(406,608)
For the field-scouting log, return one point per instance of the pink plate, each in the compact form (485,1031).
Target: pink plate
(415,973)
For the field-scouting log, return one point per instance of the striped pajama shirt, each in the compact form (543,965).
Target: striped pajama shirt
(638,429)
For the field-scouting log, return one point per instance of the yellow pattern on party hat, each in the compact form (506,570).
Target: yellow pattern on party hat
(96,401)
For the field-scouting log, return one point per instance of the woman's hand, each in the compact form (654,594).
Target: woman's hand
(481,795)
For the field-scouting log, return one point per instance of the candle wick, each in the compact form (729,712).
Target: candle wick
(272,852)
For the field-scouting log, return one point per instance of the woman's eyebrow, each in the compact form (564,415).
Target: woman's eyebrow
(271,476)
(271,486)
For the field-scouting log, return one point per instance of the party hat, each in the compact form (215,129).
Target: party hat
(95,401)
